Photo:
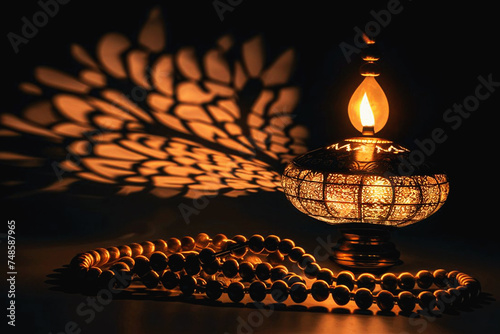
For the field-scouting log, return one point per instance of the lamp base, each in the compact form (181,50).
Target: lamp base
(366,249)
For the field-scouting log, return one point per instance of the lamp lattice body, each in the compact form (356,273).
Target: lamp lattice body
(361,180)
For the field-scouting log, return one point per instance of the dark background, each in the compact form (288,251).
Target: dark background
(432,56)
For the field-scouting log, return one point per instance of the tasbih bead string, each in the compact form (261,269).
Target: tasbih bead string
(221,265)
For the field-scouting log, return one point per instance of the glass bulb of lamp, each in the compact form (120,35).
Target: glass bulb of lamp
(368,107)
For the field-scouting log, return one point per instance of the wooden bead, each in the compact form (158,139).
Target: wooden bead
(363,298)
(136,249)
(406,281)
(81,260)
(257,291)
(130,262)
(104,256)
(206,255)
(187,243)
(214,289)
(279,291)
(298,292)
(230,268)
(465,294)
(246,271)
(125,250)
(385,300)
(141,265)
(147,247)
(174,245)
(389,282)
(229,244)
(312,269)
(367,281)
(119,266)
(326,275)
(236,291)
(263,271)
(123,278)
(440,278)
(341,295)
(158,261)
(424,279)
(305,260)
(406,301)
(278,273)
(150,279)
(240,240)
(187,285)
(160,245)
(459,277)
(346,278)
(474,287)
(426,300)
(292,278)
(219,240)
(456,297)
(176,262)
(271,243)
(93,274)
(212,267)
(443,300)
(285,246)
(320,290)
(296,253)
(95,256)
(452,277)
(202,240)
(114,253)
(169,279)
(256,244)
(192,264)
(105,280)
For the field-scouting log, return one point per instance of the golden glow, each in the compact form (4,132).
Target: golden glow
(366,113)
(355,198)
(209,144)
(369,96)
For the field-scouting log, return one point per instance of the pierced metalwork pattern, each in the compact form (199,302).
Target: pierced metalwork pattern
(344,186)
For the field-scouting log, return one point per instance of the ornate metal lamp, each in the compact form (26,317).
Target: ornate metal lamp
(360,182)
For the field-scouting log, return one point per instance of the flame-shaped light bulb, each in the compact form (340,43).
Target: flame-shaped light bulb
(368,108)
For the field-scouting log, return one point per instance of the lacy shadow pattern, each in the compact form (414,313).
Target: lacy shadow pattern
(142,119)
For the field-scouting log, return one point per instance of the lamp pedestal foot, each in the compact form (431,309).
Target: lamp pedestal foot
(365,249)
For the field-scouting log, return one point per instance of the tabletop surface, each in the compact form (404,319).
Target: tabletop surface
(43,307)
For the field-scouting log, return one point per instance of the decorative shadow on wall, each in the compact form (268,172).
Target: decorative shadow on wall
(143,120)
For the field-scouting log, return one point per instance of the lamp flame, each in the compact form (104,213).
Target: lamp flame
(366,113)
